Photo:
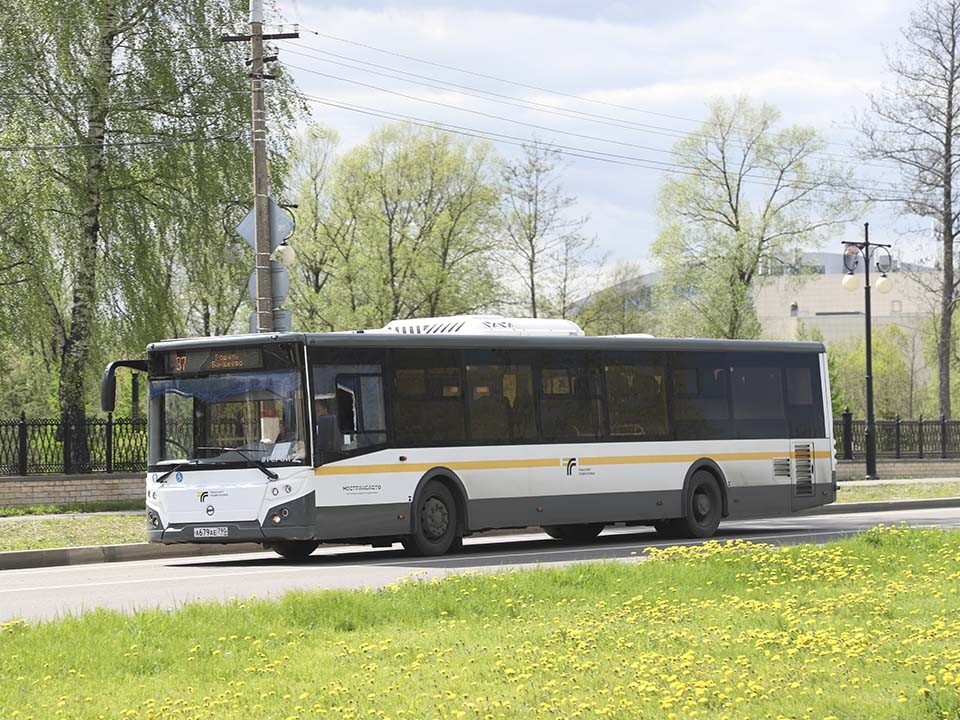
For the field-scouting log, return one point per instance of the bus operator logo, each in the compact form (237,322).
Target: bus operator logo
(571,463)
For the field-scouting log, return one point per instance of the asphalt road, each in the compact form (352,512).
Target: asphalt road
(43,593)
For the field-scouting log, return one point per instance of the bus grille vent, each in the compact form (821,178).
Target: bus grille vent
(803,455)
(781,468)
(435,329)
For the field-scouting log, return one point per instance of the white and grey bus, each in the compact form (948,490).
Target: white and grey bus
(431,430)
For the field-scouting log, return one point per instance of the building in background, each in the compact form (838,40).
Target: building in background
(808,294)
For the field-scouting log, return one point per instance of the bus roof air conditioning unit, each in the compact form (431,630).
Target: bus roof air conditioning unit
(483,325)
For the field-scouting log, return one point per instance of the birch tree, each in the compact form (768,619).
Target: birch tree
(131,114)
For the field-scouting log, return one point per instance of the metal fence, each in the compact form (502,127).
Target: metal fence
(41,445)
(897,438)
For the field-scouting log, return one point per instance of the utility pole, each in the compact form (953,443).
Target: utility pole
(261,183)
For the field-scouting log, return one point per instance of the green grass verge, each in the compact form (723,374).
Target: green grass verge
(34,533)
(877,493)
(867,628)
(71,508)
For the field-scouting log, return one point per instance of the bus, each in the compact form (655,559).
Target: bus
(427,431)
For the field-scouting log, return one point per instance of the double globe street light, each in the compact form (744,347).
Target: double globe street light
(851,259)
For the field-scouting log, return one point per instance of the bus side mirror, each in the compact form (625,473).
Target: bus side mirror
(108,383)
(108,390)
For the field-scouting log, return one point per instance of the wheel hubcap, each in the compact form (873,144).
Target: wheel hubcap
(701,506)
(435,518)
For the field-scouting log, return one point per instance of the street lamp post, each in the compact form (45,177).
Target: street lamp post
(851,253)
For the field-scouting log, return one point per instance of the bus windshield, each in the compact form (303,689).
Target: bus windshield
(228,418)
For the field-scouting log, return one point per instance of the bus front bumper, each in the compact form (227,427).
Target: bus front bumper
(292,520)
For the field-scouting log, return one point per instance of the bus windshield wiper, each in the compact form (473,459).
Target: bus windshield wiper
(253,461)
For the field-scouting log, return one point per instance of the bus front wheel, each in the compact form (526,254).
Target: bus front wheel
(435,524)
(574,533)
(295,549)
(704,506)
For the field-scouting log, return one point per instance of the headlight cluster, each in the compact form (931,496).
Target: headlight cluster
(153,520)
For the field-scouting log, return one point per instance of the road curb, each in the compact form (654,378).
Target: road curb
(114,553)
(883,506)
(152,551)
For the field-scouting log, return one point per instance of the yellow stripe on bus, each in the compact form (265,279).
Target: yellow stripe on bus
(551,462)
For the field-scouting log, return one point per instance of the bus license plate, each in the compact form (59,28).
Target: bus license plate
(204,532)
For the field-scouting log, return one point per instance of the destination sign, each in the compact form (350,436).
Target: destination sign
(216,360)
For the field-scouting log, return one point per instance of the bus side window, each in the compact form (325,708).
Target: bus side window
(569,398)
(429,401)
(758,406)
(804,398)
(700,397)
(348,407)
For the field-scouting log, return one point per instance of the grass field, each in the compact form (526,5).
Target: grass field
(867,628)
(71,508)
(851,492)
(35,533)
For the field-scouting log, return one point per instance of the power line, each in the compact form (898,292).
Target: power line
(516,83)
(566,150)
(479,112)
(615,122)
(499,117)
(514,101)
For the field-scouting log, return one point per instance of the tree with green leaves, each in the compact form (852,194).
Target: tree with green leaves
(902,384)
(543,241)
(129,121)
(914,123)
(406,228)
(747,193)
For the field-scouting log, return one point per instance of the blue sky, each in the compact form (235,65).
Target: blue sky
(655,64)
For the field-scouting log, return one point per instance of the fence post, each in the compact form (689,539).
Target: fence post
(920,435)
(943,436)
(109,440)
(896,436)
(22,444)
(67,434)
(847,431)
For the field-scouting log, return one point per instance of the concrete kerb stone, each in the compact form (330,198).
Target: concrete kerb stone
(21,559)
(153,551)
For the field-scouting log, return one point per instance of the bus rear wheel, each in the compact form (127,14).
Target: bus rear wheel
(574,533)
(704,506)
(295,549)
(435,522)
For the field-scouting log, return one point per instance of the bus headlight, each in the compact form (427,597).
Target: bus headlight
(276,518)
